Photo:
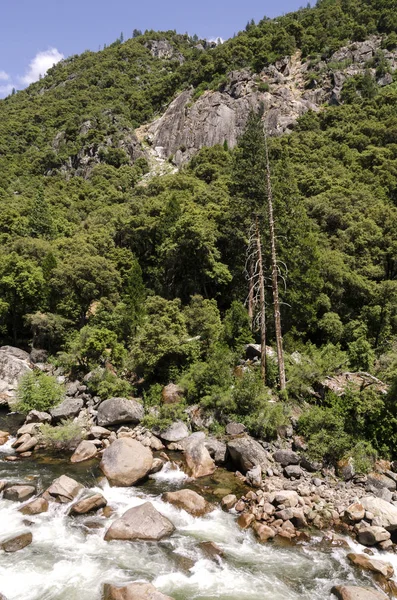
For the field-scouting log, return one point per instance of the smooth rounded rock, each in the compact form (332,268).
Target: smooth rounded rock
(188,500)
(85,451)
(88,504)
(142,522)
(125,462)
(18,542)
(119,410)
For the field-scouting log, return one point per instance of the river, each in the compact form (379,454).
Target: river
(69,559)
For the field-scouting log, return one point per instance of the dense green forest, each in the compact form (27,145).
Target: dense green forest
(144,277)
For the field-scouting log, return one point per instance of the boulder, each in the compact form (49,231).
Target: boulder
(88,504)
(254,477)
(28,428)
(235,428)
(355,592)
(189,500)
(369,535)
(379,480)
(247,453)
(16,543)
(355,512)
(125,462)
(68,409)
(289,498)
(36,416)
(172,394)
(263,532)
(133,591)
(211,550)
(14,363)
(119,410)
(28,444)
(84,451)
(63,490)
(198,459)
(293,472)
(19,493)
(228,501)
(99,433)
(368,563)
(286,457)
(35,507)
(142,522)
(385,512)
(217,450)
(176,432)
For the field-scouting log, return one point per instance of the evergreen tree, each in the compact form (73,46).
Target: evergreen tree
(40,218)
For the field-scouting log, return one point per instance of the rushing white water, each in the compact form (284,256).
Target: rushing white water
(69,559)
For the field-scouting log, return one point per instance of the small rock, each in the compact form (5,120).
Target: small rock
(228,501)
(263,532)
(172,394)
(245,520)
(370,535)
(119,410)
(17,543)
(88,504)
(355,512)
(254,476)
(63,490)
(133,591)
(355,592)
(176,432)
(293,472)
(211,550)
(188,500)
(35,507)
(85,451)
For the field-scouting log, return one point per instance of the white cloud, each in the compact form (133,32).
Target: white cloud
(40,64)
(4,76)
(5,90)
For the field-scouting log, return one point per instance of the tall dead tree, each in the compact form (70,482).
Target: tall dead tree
(275,272)
(256,296)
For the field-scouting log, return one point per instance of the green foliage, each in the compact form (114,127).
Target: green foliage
(325,434)
(92,346)
(163,416)
(106,384)
(65,436)
(38,391)
(236,326)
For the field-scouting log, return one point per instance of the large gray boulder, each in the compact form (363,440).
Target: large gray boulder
(126,461)
(63,490)
(68,409)
(286,457)
(247,453)
(132,591)
(176,432)
(119,410)
(14,363)
(355,592)
(142,522)
(198,460)
(385,513)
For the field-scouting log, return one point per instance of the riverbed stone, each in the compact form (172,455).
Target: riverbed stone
(228,501)
(355,512)
(176,432)
(142,522)
(120,410)
(19,493)
(370,535)
(211,550)
(68,409)
(355,592)
(99,433)
(88,504)
(35,507)
(289,498)
(36,416)
(293,472)
(286,457)
(198,460)
(385,513)
(254,476)
(379,480)
(63,490)
(18,542)
(189,500)
(28,444)
(368,563)
(246,453)
(263,532)
(86,450)
(126,461)
(217,450)
(133,591)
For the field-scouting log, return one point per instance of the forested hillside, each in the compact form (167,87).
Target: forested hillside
(144,275)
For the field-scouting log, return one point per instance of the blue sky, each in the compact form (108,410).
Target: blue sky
(34,34)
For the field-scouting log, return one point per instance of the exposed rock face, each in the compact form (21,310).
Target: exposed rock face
(17,543)
(247,453)
(164,49)
(14,363)
(68,409)
(217,450)
(35,507)
(176,432)
(172,394)
(385,512)
(133,591)
(355,592)
(19,493)
(63,490)
(119,410)
(92,502)
(126,461)
(84,451)
(198,460)
(189,500)
(142,522)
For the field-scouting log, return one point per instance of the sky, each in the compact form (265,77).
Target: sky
(35,34)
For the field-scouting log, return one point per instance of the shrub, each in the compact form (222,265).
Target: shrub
(108,385)
(38,391)
(265,421)
(166,414)
(325,434)
(65,436)
(364,456)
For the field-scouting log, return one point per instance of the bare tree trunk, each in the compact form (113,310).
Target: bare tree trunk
(251,294)
(262,305)
(276,301)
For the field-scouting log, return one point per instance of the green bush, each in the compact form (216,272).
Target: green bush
(65,436)
(325,434)
(38,391)
(163,416)
(106,384)
(266,420)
